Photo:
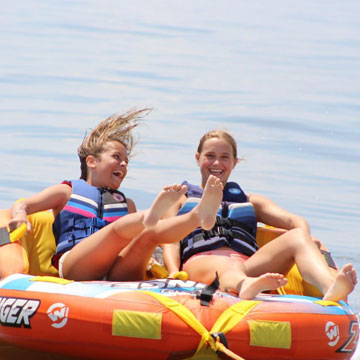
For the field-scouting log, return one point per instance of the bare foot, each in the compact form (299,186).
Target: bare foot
(210,201)
(168,196)
(343,284)
(251,286)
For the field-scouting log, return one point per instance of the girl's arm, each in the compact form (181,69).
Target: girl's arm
(171,255)
(54,198)
(131,205)
(271,214)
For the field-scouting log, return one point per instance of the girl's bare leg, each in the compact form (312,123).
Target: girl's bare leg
(93,257)
(132,261)
(232,275)
(297,247)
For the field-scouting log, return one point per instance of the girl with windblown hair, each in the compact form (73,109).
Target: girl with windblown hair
(98,232)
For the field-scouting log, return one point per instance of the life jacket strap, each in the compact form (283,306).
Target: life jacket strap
(228,223)
(76,230)
(207,293)
(228,234)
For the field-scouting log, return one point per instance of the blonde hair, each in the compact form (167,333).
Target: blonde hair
(117,127)
(218,134)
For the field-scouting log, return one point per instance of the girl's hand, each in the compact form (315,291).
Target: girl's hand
(18,218)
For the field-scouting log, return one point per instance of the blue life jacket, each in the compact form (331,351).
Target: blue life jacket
(87,211)
(235,225)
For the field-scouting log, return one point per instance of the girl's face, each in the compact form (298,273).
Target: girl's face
(216,158)
(110,167)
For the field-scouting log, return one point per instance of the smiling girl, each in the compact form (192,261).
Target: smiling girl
(230,248)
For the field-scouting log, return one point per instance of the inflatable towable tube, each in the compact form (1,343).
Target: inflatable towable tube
(169,319)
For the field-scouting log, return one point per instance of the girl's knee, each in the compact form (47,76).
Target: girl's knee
(297,233)
(299,237)
(148,238)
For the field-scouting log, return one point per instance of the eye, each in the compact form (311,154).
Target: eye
(119,158)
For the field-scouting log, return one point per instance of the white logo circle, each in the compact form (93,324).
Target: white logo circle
(58,314)
(332,332)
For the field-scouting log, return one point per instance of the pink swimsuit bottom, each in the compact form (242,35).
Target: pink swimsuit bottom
(230,253)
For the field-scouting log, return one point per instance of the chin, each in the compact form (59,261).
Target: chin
(114,186)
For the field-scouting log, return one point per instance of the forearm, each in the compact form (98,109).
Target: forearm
(171,256)
(271,214)
(52,198)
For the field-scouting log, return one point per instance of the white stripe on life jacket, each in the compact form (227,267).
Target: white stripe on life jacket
(85,200)
(115,206)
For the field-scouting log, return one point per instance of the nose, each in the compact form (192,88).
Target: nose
(216,161)
(124,163)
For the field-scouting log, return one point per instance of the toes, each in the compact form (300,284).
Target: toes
(175,188)
(211,180)
(347,268)
(183,189)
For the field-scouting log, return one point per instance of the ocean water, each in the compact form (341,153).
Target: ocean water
(282,76)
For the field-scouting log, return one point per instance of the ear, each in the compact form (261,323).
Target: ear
(236,162)
(197,158)
(91,161)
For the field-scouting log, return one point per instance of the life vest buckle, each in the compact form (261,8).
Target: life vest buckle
(224,232)
(223,222)
(206,294)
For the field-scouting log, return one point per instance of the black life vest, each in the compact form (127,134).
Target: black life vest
(235,225)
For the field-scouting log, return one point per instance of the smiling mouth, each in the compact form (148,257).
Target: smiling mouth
(216,172)
(118,174)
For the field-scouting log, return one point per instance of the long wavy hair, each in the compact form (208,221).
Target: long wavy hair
(117,127)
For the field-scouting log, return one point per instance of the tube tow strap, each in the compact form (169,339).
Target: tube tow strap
(210,343)
(7,237)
